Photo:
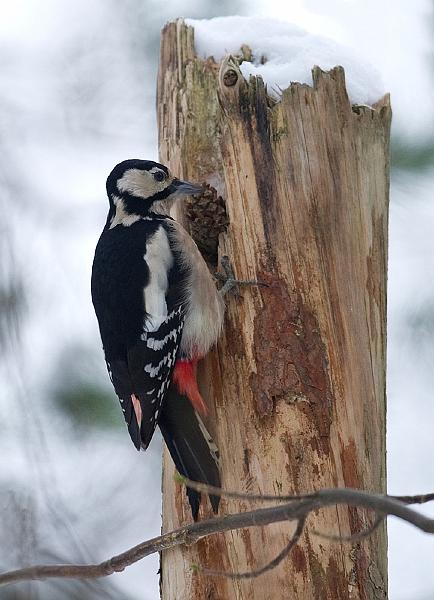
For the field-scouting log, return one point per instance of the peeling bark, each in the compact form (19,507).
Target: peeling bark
(296,386)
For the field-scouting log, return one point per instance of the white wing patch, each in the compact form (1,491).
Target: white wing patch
(161,347)
(154,371)
(159,344)
(159,259)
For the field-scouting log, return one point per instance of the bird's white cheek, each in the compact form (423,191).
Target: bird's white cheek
(139,183)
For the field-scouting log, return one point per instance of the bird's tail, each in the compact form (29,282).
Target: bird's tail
(190,445)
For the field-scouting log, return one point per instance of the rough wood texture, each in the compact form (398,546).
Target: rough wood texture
(296,386)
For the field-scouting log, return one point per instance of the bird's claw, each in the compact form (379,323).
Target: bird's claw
(230,283)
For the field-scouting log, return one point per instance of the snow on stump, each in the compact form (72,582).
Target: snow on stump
(296,386)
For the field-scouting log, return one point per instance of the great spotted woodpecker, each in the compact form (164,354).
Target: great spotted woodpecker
(159,312)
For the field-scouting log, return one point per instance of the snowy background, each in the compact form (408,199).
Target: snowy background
(77,83)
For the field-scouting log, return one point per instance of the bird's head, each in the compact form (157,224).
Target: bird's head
(137,188)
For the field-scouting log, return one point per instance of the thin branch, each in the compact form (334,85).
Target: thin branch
(295,510)
(420,499)
(211,489)
(205,488)
(355,537)
(268,567)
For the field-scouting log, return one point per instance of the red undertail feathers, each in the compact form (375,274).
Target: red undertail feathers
(184,377)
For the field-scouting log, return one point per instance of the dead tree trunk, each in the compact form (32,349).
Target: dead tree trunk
(296,385)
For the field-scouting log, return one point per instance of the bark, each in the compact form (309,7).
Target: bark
(296,386)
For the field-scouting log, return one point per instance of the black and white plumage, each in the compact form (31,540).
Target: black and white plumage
(158,312)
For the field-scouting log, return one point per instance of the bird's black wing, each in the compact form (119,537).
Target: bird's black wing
(142,381)
(140,348)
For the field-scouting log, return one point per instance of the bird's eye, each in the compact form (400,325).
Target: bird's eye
(159,176)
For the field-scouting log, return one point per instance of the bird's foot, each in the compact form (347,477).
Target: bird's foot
(230,283)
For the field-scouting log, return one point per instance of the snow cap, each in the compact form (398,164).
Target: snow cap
(283,53)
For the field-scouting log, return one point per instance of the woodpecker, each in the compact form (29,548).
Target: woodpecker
(159,312)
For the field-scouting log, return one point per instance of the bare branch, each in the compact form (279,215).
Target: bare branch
(297,509)
(205,488)
(210,489)
(420,499)
(356,537)
(268,567)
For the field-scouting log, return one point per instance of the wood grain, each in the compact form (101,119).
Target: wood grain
(296,386)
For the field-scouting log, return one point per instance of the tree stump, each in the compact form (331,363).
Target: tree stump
(296,386)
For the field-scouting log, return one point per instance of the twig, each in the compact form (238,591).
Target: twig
(210,489)
(420,499)
(295,510)
(205,488)
(355,537)
(268,567)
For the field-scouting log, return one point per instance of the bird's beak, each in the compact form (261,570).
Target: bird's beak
(184,188)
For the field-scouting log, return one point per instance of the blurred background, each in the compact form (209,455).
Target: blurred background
(77,83)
